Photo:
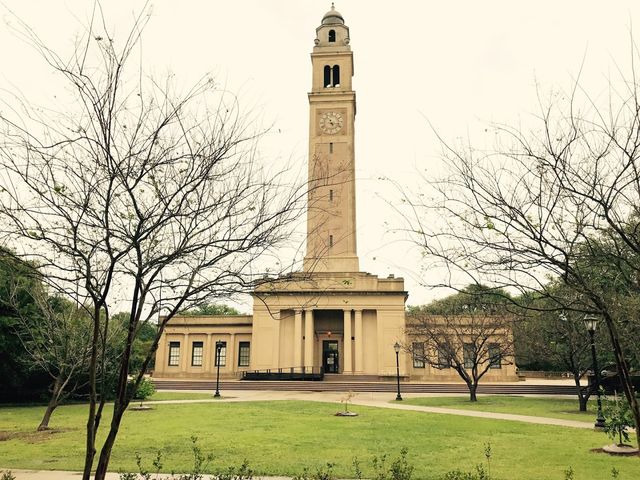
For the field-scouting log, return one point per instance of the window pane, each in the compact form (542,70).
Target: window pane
(174,354)
(223,355)
(468,353)
(495,358)
(196,354)
(443,360)
(244,354)
(418,355)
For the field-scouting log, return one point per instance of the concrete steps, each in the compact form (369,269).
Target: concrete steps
(366,386)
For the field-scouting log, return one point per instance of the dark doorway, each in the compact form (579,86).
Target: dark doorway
(330,356)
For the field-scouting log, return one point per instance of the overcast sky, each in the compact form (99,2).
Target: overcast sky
(455,64)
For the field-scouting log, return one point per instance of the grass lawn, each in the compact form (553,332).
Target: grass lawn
(283,437)
(564,408)
(162,396)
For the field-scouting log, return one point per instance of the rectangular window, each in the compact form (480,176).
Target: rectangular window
(330,147)
(174,354)
(244,354)
(469,355)
(330,240)
(418,354)
(196,354)
(495,358)
(443,359)
(331,195)
(222,355)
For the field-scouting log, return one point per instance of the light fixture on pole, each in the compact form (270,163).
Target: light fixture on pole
(218,348)
(397,347)
(591,322)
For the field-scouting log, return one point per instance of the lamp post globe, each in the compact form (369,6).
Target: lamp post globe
(396,348)
(591,322)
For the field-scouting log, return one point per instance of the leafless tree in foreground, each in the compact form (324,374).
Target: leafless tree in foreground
(137,196)
(471,344)
(558,202)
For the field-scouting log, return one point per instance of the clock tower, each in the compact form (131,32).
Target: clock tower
(331,217)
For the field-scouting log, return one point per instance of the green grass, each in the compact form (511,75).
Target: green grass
(283,437)
(564,408)
(163,396)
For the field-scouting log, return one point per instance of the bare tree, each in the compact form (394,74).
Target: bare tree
(557,202)
(139,196)
(472,343)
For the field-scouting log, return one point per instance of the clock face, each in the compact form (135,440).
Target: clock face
(331,122)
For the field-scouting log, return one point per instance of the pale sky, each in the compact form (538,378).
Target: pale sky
(455,64)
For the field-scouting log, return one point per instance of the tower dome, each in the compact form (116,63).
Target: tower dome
(332,17)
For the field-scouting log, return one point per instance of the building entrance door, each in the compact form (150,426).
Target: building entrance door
(330,356)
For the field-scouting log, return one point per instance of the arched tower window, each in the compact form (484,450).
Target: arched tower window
(327,76)
(336,75)
(332,36)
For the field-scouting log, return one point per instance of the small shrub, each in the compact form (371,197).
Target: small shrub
(568,474)
(618,418)
(357,471)
(322,473)
(144,390)
(400,469)
(7,475)
(479,474)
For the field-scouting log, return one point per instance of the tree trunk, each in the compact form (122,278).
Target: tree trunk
(582,398)
(472,393)
(56,390)
(107,446)
(90,444)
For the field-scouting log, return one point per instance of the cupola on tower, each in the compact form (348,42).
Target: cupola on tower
(331,220)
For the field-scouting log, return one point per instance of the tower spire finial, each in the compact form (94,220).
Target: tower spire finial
(333,6)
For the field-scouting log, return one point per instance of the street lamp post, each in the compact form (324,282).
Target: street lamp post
(591,322)
(218,348)
(396,347)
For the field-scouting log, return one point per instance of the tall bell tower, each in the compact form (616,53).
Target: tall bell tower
(331,216)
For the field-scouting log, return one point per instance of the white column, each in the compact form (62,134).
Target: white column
(185,364)
(308,338)
(359,347)
(209,353)
(232,361)
(297,339)
(346,346)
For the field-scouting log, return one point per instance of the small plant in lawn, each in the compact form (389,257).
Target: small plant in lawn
(615,473)
(487,455)
(346,399)
(568,473)
(322,473)
(400,469)
(357,471)
(201,464)
(618,419)
(144,390)
(479,474)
